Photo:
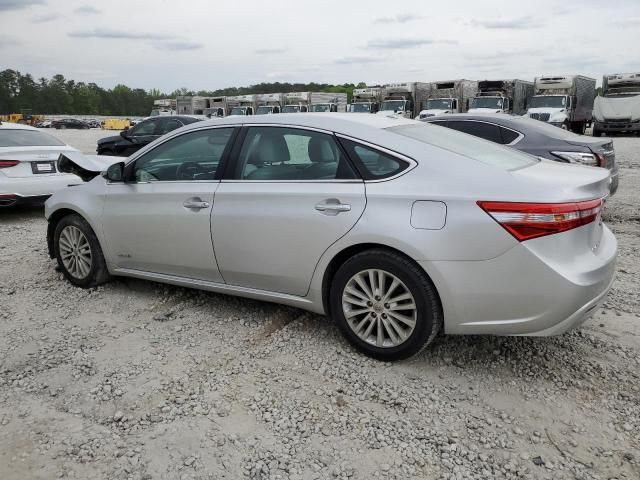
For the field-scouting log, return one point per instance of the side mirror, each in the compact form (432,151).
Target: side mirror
(115,173)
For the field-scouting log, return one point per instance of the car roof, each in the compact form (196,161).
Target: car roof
(325,121)
(16,126)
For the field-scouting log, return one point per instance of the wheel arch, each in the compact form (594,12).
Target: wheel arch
(53,221)
(340,257)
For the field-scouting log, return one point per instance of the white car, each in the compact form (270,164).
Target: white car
(28,171)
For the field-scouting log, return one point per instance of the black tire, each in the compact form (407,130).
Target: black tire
(98,273)
(596,133)
(429,319)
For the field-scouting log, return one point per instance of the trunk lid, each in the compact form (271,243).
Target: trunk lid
(33,160)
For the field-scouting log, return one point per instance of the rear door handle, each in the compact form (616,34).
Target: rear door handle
(332,207)
(195,203)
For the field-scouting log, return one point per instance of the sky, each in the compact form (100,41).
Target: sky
(206,45)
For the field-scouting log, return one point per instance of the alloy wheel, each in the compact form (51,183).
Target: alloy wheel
(75,252)
(379,308)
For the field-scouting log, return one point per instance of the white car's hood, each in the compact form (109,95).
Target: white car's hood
(613,108)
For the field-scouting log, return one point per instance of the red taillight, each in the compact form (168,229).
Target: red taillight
(602,160)
(531,220)
(8,163)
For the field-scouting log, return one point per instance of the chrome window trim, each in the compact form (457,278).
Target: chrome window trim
(412,163)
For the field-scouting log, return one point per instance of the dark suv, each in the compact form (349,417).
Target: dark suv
(143,133)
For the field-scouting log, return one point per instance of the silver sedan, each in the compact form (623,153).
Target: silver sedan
(396,229)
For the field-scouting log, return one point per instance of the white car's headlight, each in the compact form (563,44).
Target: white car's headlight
(578,157)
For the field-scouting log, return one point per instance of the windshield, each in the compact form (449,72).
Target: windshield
(475,148)
(321,107)
(439,104)
(27,138)
(264,109)
(393,105)
(238,111)
(291,109)
(548,101)
(360,108)
(487,102)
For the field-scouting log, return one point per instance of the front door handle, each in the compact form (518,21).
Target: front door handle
(333,206)
(195,203)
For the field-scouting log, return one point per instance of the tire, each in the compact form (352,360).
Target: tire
(427,314)
(565,126)
(86,277)
(596,133)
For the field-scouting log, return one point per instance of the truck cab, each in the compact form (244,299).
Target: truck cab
(489,104)
(294,108)
(324,107)
(267,109)
(550,108)
(365,100)
(240,111)
(438,106)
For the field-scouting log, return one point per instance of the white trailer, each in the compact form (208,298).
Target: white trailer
(300,102)
(268,103)
(403,99)
(164,106)
(216,107)
(502,96)
(618,109)
(190,105)
(365,100)
(241,105)
(565,101)
(450,96)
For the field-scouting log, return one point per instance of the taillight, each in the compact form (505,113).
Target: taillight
(531,220)
(8,163)
(602,160)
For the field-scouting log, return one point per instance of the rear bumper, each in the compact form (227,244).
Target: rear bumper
(36,186)
(537,288)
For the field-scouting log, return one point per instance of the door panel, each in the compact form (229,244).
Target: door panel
(149,228)
(270,235)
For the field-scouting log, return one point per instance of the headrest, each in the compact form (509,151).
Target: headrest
(271,148)
(321,150)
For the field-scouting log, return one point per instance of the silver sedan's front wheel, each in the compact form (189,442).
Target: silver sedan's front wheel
(379,308)
(385,304)
(75,252)
(78,251)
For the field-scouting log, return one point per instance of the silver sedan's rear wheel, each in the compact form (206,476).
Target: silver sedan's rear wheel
(385,304)
(75,252)
(379,308)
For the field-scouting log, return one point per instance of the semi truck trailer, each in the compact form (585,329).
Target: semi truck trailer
(502,96)
(403,99)
(618,109)
(451,96)
(565,101)
(365,100)
(268,103)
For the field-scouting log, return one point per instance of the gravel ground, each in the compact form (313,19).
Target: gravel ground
(145,381)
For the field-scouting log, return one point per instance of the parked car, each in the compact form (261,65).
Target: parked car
(69,123)
(537,138)
(28,172)
(397,229)
(43,124)
(93,123)
(143,133)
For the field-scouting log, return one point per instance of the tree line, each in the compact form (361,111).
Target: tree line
(58,95)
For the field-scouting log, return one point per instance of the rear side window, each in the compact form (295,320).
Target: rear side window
(487,131)
(474,148)
(27,138)
(372,163)
(508,136)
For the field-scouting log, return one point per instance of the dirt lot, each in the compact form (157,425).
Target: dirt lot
(144,381)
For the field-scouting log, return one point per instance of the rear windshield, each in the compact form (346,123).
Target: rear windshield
(27,138)
(467,145)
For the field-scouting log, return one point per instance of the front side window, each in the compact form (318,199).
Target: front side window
(280,153)
(192,156)
(372,163)
(143,128)
(169,125)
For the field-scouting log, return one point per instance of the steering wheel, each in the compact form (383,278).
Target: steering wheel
(188,171)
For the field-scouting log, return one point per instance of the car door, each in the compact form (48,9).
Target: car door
(288,194)
(137,137)
(160,219)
